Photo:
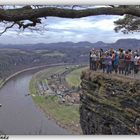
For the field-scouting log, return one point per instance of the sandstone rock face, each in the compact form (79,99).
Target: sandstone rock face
(110,104)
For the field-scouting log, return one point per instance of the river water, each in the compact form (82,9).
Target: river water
(19,114)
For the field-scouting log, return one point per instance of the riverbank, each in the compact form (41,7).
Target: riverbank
(4,81)
(19,115)
(65,115)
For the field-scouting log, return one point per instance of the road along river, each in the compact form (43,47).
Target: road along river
(19,114)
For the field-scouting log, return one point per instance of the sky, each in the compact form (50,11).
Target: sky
(92,29)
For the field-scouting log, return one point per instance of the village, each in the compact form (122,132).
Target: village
(56,85)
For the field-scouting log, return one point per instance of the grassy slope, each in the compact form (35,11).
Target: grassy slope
(73,78)
(67,116)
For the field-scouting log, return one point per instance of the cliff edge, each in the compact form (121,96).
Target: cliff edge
(110,104)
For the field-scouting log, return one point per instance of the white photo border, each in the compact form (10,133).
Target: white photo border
(71,2)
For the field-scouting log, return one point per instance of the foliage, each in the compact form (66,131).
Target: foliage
(128,24)
(13,60)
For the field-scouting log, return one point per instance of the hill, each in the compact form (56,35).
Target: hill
(18,57)
(121,43)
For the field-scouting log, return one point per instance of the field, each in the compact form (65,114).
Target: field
(65,116)
(48,53)
(73,78)
(55,53)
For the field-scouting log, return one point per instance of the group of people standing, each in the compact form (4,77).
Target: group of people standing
(121,61)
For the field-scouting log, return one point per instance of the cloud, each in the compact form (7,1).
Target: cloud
(83,24)
(92,29)
(105,25)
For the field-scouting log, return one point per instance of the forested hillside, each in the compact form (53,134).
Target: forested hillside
(17,57)
(13,60)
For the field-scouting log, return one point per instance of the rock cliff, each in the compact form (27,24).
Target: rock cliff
(110,104)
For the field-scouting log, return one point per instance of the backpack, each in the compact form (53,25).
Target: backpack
(121,56)
(128,57)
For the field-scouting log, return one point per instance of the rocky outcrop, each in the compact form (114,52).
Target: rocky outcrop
(110,104)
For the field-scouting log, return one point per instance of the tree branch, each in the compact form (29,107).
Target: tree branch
(27,13)
(33,23)
(8,27)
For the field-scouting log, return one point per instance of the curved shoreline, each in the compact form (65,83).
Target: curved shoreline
(19,114)
(28,69)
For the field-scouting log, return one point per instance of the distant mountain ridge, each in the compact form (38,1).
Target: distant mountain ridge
(121,43)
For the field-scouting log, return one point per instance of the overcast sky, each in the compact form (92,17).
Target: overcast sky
(92,29)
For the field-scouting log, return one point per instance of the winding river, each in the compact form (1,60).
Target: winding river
(19,114)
